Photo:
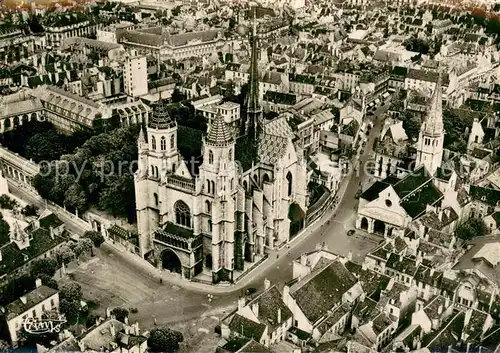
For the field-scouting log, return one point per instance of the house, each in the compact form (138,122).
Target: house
(434,314)
(265,319)
(34,304)
(321,301)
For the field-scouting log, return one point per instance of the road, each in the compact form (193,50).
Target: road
(116,278)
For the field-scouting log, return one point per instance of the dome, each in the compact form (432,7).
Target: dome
(160,118)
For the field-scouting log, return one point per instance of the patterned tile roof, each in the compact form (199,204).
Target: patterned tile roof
(271,148)
(160,119)
(219,133)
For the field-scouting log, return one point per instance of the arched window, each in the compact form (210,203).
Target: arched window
(265,178)
(156,199)
(172,141)
(289,178)
(208,186)
(210,226)
(163,143)
(173,168)
(156,172)
(153,171)
(232,183)
(213,187)
(230,155)
(208,206)
(210,157)
(153,142)
(182,214)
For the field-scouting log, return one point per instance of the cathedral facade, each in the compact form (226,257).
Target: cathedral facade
(248,196)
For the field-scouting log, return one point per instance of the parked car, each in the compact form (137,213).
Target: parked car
(351,232)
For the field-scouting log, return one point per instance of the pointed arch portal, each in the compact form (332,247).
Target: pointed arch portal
(170,261)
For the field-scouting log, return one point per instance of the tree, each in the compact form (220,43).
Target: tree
(64,254)
(96,238)
(82,246)
(69,308)
(44,266)
(48,281)
(164,339)
(71,291)
(4,231)
(75,198)
(45,147)
(29,210)
(120,313)
(473,227)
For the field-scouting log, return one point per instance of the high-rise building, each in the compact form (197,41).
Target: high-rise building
(135,76)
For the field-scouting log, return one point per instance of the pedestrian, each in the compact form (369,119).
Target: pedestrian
(154,320)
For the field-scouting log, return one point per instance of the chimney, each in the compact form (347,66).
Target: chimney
(349,256)
(125,320)
(127,330)
(324,246)
(431,272)
(440,309)
(23,299)
(303,260)
(267,284)
(108,313)
(387,255)
(286,294)
(447,303)
(279,315)
(440,214)
(136,329)
(241,303)
(38,282)
(400,257)
(112,330)
(255,309)
(81,345)
(447,212)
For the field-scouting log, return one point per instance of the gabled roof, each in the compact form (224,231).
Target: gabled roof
(34,297)
(486,195)
(270,302)
(246,327)
(323,291)
(374,190)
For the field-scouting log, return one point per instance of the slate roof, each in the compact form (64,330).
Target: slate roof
(474,327)
(425,275)
(20,107)
(443,174)
(402,264)
(269,303)
(381,323)
(449,335)
(333,318)
(431,308)
(246,327)
(34,297)
(486,195)
(374,190)
(323,291)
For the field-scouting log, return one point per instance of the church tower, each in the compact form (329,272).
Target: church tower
(219,174)
(253,122)
(157,156)
(431,137)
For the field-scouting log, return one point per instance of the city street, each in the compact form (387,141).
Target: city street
(116,278)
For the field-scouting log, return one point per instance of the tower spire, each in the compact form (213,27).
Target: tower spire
(254,110)
(433,124)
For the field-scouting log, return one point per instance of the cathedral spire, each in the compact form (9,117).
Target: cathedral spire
(254,110)
(433,124)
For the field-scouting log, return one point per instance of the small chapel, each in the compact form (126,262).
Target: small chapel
(247,193)
(394,204)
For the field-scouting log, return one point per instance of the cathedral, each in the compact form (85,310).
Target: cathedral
(248,195)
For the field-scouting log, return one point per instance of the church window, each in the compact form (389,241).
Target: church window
(208,206)
(213,186)
(156,172)
(153,171)
(265,178)
(230,155)
(172,142)
(173,167)
(289,178)
(153,142)
(182,214)
(210,157)
(208,186)
(388,203)
(210,226)
(163,144)
(156,199)
(232,183)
